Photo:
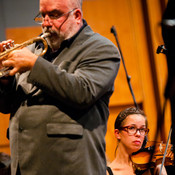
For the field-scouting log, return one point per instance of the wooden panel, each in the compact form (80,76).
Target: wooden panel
(149,102)
(20,35)
(118,13)
(4,142)
(160,67)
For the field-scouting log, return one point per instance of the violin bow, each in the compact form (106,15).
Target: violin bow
(169,135)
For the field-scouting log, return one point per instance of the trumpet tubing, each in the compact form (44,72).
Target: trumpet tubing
(3,56)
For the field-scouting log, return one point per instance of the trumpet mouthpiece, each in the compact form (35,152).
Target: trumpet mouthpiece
(45,35)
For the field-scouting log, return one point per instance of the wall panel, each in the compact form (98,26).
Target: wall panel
(4,142)
(22,34)
(108,14)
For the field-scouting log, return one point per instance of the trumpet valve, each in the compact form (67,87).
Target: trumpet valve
(4,47)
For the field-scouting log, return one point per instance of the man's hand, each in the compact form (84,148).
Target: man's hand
(6,45)
(20,60)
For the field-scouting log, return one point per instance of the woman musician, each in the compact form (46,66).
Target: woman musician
(131,128)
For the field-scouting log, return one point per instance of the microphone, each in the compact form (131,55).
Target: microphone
(169,22)
(113,31)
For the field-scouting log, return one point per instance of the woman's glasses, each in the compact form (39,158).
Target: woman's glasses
(132,130)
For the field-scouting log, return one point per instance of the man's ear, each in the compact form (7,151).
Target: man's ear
(117,134)
(78,15)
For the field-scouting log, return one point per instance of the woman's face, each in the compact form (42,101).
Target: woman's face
(132,142)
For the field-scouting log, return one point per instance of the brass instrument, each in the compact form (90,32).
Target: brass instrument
(5,70)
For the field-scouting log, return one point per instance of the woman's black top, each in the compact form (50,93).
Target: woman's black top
(109,171)
(137,172)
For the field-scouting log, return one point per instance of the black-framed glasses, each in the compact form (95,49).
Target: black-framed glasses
(131,130)
(54,15)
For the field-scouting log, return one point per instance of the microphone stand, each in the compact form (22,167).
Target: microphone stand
(113,30)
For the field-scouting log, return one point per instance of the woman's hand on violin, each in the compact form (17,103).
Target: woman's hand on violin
(19,61)
(158,168)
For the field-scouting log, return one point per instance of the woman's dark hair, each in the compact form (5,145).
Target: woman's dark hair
(124,114)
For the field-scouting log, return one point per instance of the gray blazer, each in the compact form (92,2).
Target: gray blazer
(59,110)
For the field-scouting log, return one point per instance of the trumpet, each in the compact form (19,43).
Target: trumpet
(3,56)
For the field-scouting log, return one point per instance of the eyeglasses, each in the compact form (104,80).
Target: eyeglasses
(133,130)
(54,15)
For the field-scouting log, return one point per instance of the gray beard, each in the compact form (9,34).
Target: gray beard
(55,43)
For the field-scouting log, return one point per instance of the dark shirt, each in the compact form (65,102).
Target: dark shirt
(109,171)
(136,172)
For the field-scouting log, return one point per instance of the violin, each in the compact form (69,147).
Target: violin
(154,151)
